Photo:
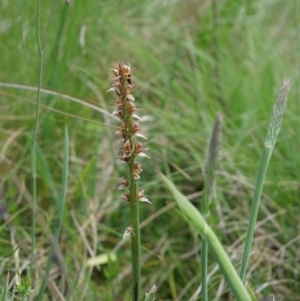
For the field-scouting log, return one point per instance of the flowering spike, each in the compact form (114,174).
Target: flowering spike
(129,131)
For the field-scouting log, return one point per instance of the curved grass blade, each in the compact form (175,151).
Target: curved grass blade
(215,246)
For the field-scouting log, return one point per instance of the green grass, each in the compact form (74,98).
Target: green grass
(181,86)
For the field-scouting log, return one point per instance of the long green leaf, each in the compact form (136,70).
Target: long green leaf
(54,243)
(215,246)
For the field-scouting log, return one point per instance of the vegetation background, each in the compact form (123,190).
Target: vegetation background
(192,59)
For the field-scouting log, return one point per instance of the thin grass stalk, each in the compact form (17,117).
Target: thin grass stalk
(204,247)
(61,205)
(4,292)
(297,11)
(264,162)
(204,270)
(60,95)
(227,268)
(135,236)
(210,169)
(273,131)
(34,139)
(135,248)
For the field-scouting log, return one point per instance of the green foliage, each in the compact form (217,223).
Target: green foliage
(187,69)
(24,289)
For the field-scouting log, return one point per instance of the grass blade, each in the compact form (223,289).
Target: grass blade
(34,139)
(215,246)
(4,292)
(54,244)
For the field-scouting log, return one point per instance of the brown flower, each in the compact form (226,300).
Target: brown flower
(137,169)
(123,158)
(142,197)
(140,150)
(127,148)
(131,108)
(123,184)
(126,197)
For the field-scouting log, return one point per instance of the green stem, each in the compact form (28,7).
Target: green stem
(135,235)
(273,131)
(264,162)
(204,249)
(61,205)
(34,140)
(204,255)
